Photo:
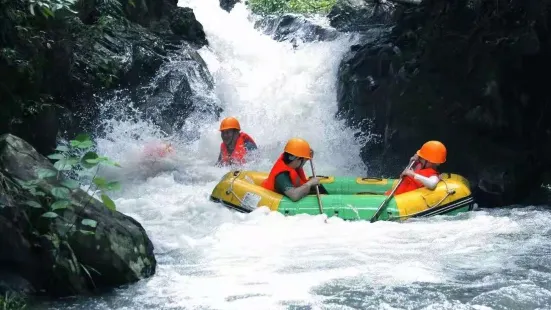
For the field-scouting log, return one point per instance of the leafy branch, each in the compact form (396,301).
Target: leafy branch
(67,159)
(49,7)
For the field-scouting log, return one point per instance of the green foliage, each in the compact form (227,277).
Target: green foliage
(76,159)
(49,7)
(266,7)
(45,51)
(11,301)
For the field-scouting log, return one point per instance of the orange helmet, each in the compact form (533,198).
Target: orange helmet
(433,151)
(298,147)
(229,123)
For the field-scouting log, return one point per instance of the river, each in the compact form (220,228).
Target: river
(212,258)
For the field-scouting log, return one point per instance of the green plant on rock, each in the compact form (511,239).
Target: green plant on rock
(76,160)
(265,7)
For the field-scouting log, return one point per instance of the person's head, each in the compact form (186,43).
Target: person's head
(432,154)
(296,153)
(229,129)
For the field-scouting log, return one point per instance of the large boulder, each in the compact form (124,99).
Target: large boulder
(52,67)
(62,251)
(180,97)
(470,76)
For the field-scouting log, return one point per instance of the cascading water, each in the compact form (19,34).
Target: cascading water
(212,258)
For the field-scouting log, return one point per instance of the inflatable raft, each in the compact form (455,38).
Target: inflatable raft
(350,198)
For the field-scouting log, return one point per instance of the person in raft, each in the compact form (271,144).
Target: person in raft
(287,176)
(424,173)
(157,149)
(235,144)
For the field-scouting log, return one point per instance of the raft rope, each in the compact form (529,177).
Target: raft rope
(355,211)
(230,189)
(448,193)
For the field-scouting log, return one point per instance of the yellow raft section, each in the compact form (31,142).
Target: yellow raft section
(240,189)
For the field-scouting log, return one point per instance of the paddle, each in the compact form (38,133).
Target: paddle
(383,204)
(317,188)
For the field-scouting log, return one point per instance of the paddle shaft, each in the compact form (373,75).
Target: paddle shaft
(317,188)
(383,204)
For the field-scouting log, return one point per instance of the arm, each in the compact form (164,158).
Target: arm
(250,145)
(283,185)
(428,182)
(297,193)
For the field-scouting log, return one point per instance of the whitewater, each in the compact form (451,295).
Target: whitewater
(212,258)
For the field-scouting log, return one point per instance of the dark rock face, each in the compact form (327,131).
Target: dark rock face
(181,92)
(52,67)
(294,28)
(360,15)
(471,76)
(184,24)
(228,5)
(53,255)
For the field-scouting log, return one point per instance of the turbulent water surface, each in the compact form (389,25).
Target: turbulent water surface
(213,258)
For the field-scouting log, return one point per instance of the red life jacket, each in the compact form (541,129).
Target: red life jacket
(239,152)
(297,175)
(410,184)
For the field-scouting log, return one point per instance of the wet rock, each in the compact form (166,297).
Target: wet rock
(64,255)
(184,24)
(360,15)
(477,89)
(181,93)
(72,58)
(228,5)
(294,28)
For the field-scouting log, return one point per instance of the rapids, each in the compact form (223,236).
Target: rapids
(212,258)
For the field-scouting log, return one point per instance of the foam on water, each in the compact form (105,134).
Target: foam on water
(213,258)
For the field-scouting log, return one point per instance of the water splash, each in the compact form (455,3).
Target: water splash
(213,258)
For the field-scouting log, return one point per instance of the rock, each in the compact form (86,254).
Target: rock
(73,58)
(360,15)
(431,78)
(184,24)
(41,128)
(181,93)
(55,255)
(228,5)
(123,54)
(18,264)
(294,28)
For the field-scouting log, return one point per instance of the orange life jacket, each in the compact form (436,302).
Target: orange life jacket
(410,184)
(239,152)
(297,175)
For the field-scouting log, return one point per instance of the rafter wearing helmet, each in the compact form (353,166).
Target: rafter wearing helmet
(424,173)
(235,144)
(287,176)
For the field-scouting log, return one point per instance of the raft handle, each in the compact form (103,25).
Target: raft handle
(322,176)
(230,189)
(370,178)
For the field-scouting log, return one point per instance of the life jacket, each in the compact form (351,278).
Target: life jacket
(297,175)
(239,152)
(410,184)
